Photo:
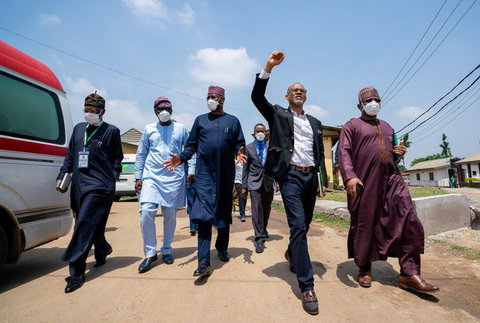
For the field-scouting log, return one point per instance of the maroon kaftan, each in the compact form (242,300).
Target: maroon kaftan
(383,220)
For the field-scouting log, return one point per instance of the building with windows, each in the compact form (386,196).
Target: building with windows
(435,172)
(469,167)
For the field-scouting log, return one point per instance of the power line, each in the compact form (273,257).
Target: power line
(112,69)
(478,98)
(463,101)
(421,123)
(460,82)
(431,54)
(411,54)
(423,52)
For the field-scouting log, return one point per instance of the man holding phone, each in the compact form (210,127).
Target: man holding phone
(383,219)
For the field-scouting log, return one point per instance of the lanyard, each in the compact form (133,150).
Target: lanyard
(85,139)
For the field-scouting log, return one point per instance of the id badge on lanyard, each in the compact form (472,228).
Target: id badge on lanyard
(83,155)
(83,159)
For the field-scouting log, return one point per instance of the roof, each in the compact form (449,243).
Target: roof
(431,164)
(131,136)
(471,159)
(18,61)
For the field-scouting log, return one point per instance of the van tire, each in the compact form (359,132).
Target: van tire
(3,246)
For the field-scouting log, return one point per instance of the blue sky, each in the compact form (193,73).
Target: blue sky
(178,48)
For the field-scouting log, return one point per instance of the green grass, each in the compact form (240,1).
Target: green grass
(414,192)
(469,253)
(425,191)
(330,221)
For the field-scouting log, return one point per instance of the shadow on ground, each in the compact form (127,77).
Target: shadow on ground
(282,270)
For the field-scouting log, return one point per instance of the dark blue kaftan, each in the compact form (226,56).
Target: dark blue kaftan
(216,139)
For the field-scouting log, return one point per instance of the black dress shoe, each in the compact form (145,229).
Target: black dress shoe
(168,259)
(74,283)
(290,262)
(224,256)
(259,246)
(202,270)
(310,302)
(102,261)
(146,264)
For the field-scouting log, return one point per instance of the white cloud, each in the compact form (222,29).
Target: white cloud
(126,114)
(316,111)
(82,87)
(409,112)
(147,8)
(186,16)
(49,19)
(223,66)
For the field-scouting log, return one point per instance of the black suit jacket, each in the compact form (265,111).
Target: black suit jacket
(254,176)
(281,143)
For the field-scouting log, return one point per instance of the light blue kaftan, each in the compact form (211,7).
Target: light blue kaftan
(160,185)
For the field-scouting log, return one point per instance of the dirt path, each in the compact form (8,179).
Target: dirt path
(251,287)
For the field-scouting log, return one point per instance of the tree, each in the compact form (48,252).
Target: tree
(445,147)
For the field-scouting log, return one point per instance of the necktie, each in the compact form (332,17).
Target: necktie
(260,151)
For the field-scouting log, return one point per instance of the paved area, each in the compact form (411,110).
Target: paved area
(251,287)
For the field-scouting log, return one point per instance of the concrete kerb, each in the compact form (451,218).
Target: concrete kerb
(438,213)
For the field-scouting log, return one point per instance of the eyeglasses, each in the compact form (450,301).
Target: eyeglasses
(298,90)
(372,99)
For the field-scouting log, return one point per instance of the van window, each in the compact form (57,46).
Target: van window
(29,111)
(128,168)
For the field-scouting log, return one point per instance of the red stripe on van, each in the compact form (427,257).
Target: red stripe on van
(22,63)
(31,147)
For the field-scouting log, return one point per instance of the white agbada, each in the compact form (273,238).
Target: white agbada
(160,185)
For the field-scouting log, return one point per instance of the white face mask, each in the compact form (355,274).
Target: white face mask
(164,116)
(212,105)
(92,118)
(372,108)
(260,136)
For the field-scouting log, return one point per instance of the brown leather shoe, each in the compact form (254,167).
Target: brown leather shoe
(365,279)
(417,283)
(310,302)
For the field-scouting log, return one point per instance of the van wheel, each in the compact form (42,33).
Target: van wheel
(3,246)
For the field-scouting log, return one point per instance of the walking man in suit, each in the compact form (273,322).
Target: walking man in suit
(295,155)
(259,184)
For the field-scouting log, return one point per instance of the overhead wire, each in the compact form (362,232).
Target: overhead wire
(387,95)
(433,105)
(447,113)
(445,105)
(89,61)
(431,54)
(413,51)
(460,113)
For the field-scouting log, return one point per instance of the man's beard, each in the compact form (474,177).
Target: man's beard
(298,102)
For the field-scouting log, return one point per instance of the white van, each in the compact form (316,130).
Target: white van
(35,126)
(126,184)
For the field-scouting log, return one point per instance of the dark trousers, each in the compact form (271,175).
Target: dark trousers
(205,239)
(261,206)
(409,264)
(190,192)
(93,210)
(242,200)
(299,195)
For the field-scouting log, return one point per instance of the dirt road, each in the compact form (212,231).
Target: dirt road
(251,287)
